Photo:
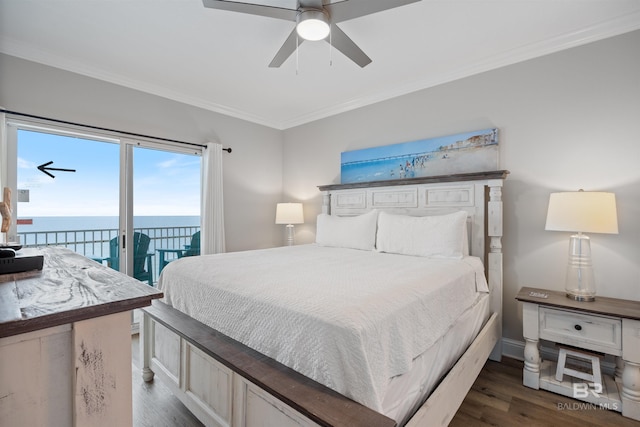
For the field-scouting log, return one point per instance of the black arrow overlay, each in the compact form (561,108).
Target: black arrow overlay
(43,168)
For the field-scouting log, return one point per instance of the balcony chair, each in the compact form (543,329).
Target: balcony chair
(192,249)
(141,256)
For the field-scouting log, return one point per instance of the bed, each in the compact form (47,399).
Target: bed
(345,331)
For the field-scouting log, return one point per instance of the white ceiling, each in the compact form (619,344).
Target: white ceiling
(218,60)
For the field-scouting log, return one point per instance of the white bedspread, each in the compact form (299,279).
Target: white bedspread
(346,318)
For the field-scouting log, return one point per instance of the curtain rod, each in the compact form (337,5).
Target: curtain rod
(16,113)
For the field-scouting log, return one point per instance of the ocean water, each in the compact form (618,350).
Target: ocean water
(380,170)
(51,230)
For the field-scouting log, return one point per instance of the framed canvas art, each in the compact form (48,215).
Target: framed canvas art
(461,153)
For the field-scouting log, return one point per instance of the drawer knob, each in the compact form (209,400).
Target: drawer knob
(578,327)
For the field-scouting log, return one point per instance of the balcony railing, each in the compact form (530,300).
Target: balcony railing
(95,243)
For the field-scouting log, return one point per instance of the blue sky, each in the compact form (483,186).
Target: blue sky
(165,183)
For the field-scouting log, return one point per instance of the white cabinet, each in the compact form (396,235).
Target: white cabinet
(65,343)
(606,325)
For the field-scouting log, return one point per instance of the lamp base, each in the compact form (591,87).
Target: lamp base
(290,234)
(585,298)
(580,284)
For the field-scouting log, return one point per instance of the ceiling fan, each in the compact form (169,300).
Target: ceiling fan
(315,20)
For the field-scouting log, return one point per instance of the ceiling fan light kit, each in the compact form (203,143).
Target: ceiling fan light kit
(312,24)
(315,20)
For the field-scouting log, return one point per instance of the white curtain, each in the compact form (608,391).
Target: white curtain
(212,207)
(3,152)
(4,177)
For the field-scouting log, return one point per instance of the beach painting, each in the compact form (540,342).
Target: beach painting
(461,153)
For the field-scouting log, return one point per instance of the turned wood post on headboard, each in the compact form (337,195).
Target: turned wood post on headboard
(494,257)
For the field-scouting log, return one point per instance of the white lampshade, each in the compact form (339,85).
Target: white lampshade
(289,213)
(582,211)
(313,25)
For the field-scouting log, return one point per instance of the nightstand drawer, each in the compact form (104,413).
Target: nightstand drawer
(598,333)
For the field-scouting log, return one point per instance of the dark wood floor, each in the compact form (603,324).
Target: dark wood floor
(153,403)
(497,398)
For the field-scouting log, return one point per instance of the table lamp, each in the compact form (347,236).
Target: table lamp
(581,211)
(289,214)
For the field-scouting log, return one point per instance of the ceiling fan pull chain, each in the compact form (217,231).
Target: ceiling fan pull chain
(297,47)
(330,49)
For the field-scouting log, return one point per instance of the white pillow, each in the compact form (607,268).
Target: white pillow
(355,232)
(465,238)
(440,236)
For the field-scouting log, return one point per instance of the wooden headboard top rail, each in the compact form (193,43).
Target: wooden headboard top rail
(473,176)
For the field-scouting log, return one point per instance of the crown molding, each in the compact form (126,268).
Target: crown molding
(32,53)
(610,28)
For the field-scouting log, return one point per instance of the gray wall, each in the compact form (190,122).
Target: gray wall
(252,173)
(567,121)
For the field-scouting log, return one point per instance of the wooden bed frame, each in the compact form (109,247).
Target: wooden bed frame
(225,383)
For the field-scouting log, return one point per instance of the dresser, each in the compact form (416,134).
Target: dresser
(606,326)
(65,342)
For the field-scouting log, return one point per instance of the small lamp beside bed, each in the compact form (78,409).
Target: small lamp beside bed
(581,211)
(289,214)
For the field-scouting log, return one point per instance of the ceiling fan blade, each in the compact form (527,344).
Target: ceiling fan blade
(346,10)
(286,50)
(253,9)
(344,44)
(315,4)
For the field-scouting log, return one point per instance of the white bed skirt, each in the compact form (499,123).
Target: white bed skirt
(408,391)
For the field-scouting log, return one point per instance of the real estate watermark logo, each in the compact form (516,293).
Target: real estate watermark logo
(584,391)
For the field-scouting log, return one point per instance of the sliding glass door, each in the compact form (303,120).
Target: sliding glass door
(67,191)
(166,207)
(131,205)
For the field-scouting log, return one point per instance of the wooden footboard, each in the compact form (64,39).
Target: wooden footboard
(225,383)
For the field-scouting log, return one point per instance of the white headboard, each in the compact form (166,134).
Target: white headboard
(479,194)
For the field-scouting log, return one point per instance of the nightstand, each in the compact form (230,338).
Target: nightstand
(606,325)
